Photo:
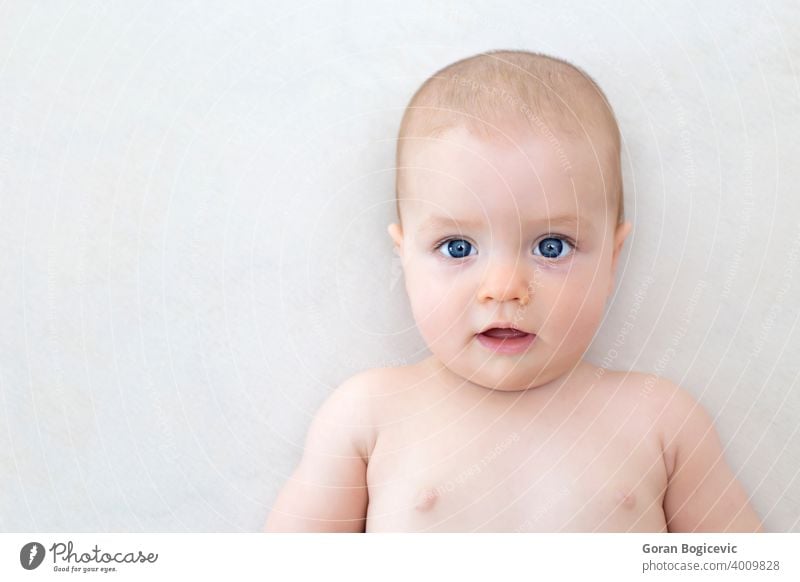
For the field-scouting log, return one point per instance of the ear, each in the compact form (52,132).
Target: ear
(620,234)
(396,232)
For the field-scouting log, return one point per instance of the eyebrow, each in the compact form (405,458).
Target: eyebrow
(435,222)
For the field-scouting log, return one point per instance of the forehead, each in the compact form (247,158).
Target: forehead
(508,177)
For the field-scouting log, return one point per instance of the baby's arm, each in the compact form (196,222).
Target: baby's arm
(328,490)
(702,493)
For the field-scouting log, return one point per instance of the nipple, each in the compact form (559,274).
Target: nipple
(626,499)
(426,499)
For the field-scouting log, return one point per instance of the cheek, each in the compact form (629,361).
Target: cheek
(576,300)
(438,302)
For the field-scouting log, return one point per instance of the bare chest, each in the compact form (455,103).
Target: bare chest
(553,471)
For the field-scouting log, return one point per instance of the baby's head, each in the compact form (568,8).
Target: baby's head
(509,200)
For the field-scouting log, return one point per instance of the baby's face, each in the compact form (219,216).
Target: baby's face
(503,234)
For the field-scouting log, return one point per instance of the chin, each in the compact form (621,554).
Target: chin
(509,376)
(517,374)
(502,383)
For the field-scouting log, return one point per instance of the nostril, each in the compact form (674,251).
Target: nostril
(506,281)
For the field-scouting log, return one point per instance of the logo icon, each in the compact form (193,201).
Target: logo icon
(31,555)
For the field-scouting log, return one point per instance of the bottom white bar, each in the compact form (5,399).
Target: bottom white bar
(389,557)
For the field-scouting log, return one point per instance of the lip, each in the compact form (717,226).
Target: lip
(506,345)
(502,325)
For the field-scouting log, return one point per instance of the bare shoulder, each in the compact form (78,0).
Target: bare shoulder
(666,405)
(356,406)
(672,404)
(674,413)
(370,385)
(346,415)
(654,391)
(702,492)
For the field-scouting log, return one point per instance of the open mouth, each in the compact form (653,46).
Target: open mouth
(506,340)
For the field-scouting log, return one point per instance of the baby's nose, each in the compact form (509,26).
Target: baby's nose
(505,282)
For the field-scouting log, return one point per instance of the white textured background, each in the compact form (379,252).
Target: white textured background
(193,202)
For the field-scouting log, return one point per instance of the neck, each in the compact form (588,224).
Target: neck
(433,367)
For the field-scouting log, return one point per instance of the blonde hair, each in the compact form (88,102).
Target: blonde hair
(480,92)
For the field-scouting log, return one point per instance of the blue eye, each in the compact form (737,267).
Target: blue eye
(551,248)
(457,248)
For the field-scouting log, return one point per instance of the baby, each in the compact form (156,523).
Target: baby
(510,227)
